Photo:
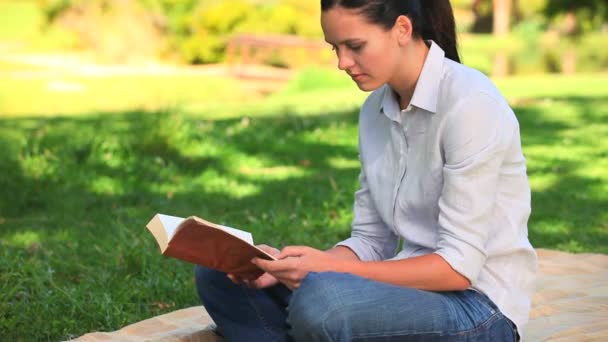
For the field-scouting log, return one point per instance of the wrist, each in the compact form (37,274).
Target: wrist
(346,265)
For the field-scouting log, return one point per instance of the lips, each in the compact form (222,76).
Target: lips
(357,77)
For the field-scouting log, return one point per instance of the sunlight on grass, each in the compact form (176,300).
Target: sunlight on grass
(213,182)
(24,239)
(553,85)
(107,185)
(344,163)
(553,227)
(543,182)
(79,186)
(274,172)
(74,95)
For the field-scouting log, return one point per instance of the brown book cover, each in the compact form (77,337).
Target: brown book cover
(207,244)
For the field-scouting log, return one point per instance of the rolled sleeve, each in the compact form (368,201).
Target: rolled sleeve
(371,239)
(475,143)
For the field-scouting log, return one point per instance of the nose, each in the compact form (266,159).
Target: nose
(345,62)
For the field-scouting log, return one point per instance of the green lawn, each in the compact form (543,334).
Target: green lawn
(77,190)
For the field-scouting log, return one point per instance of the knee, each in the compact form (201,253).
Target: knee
(208,280)
(311,306)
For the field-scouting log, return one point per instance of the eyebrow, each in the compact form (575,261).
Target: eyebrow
(346,41)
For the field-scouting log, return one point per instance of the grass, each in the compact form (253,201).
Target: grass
(70,95)
(77,190)
(86,162)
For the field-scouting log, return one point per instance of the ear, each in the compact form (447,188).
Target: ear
(403,29)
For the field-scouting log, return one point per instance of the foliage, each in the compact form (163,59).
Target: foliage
(197,30)
(211,24)
(591,14)
(23,24)
(52,9)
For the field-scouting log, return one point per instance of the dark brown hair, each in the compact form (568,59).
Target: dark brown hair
(431,19)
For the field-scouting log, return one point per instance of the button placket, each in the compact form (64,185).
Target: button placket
(402,169)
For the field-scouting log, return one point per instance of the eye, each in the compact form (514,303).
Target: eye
(357,47)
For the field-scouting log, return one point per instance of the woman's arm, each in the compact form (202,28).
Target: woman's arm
(428,272)
(343,252)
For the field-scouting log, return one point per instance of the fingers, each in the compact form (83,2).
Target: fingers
(270,250)
(273,266)
(235,279)
(264,281)
(293,251)
(292,285)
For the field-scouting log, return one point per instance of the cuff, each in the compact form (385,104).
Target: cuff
(362,250)
(463,258)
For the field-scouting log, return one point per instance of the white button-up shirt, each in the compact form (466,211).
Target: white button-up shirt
(447,176)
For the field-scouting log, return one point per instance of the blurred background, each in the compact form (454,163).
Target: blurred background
(264,41)
(234,111)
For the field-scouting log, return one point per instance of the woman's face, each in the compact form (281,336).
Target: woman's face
(367,52)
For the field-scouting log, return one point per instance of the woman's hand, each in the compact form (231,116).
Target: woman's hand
(295,262)
(263,281)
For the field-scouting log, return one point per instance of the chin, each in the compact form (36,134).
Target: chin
(368,86)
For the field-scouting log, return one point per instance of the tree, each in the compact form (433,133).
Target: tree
(588,14)
(576,17)
(502,17)
(502,10)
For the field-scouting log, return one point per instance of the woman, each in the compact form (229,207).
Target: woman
(441,168)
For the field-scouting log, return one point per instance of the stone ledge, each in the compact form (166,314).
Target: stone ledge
(570,304)
(185,325)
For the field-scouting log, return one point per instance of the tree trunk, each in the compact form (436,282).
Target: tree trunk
(500,28)
(571,31)
(502,17)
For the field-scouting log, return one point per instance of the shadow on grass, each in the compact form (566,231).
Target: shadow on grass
(561,141)
(78,191)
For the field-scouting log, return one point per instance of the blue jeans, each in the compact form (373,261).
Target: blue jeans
(333,306)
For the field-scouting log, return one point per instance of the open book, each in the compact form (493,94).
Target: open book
(207,244)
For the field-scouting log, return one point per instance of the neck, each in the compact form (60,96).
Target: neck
(408,72)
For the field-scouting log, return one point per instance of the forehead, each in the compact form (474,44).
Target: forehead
(340,23)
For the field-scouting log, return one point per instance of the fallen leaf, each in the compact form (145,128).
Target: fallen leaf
(305,162)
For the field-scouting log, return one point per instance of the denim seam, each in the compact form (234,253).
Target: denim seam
(269,331)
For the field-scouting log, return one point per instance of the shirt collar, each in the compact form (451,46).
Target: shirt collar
(426,93)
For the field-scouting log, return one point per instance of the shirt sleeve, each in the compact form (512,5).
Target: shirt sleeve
(371,239)
(475,142)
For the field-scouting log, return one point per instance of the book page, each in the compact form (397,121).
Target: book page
(170,223)
(243,235)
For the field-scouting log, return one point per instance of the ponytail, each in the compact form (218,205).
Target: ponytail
(439,25)
(431,19)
